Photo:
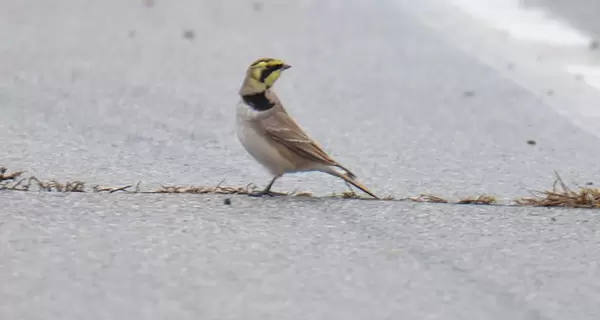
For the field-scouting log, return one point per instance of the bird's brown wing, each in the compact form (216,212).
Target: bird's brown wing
(282,129)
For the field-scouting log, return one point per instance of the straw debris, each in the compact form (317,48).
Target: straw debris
(302,194)
(204,190)
(560,195)
(8,181)
(482,200)
(9,176)
(563,196)
(428,198)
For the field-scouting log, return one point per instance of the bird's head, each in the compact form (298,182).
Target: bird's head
(263,73)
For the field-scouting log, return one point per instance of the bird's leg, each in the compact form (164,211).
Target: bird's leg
(267,190)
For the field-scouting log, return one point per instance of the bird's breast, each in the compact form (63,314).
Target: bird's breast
(257,143)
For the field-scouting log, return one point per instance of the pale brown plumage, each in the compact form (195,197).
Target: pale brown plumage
(272,122)
(298,146)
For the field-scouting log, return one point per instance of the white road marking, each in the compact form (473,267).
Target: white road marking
(527,24)
(533,24)
(550,55)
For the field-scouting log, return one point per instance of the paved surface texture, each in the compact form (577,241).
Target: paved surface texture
(581,13)
(191,257)
(117,92)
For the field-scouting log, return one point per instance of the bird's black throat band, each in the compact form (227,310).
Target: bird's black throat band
(258,101)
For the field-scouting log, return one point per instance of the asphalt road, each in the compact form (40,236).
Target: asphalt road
(582,13)
(117,92)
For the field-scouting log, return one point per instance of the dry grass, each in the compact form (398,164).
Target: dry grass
(563,196)
(560,195)
(9,176)
(303,194)
(15,181)
(204,190)
(482,200)
(428,198)
(350,195)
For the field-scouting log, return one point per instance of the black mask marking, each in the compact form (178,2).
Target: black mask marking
(265,73)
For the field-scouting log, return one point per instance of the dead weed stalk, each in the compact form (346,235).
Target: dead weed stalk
(560,195)
(563,196)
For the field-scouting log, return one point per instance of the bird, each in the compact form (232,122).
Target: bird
(272,137)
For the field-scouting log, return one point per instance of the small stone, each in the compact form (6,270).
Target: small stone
(227,201)
(189,34)
(589,183)
(531,142)
(257,6)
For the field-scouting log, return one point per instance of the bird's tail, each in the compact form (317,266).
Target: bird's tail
(351,179)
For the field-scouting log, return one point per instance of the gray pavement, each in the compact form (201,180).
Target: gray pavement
(112,92)
(191,257)
(581,13)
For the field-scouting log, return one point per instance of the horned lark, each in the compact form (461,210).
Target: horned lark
(272,137)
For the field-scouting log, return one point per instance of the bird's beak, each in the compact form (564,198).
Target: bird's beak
(285,67)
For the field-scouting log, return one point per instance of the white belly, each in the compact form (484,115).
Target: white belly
(256,144)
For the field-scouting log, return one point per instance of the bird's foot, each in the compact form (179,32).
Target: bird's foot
(266,193)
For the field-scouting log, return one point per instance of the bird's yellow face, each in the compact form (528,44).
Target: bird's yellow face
(267,70)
